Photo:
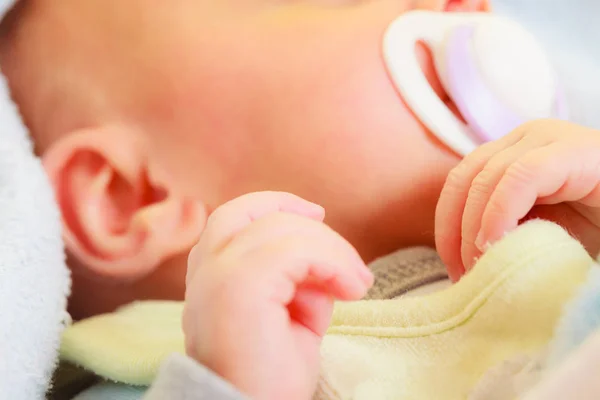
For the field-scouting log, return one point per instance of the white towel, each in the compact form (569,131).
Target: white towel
(34,279)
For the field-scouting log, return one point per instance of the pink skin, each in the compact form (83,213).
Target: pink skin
(267,266)
(547,169)
(150,118)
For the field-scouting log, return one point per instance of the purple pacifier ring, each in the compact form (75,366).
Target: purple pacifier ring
(484,113)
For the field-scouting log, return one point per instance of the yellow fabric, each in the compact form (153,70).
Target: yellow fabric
(439,346)
(129,345)
(432,347)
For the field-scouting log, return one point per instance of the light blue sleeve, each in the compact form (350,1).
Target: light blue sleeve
(580,319)
(182,378)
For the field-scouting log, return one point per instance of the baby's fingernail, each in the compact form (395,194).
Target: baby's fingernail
(319,209)
(315,211)
(481,243)
(455,275)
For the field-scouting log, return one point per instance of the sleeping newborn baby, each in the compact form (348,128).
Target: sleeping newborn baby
(150,119)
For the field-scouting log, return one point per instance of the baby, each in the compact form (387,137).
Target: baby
(154,121)
(267,259)
(150,117)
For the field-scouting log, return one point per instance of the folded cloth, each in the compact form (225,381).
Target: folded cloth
(576,377)
(128,346)
(572,365)
(504,311)
(580,319)
(439,346)
(34,279)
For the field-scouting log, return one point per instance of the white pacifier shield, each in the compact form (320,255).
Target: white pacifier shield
(510,66)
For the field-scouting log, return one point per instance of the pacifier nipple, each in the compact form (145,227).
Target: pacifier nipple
(494,71)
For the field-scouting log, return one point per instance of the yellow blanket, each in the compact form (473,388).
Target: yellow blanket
(432,347)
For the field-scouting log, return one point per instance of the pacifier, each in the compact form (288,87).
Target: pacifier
(495,72)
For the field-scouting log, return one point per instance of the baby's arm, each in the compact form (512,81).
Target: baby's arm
(260,289)
(547,169)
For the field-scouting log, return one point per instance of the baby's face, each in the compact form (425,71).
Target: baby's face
(294,96)
(234,97)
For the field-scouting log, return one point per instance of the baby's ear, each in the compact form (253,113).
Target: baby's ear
(118,222)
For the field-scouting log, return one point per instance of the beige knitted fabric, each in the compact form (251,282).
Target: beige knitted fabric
(395,275)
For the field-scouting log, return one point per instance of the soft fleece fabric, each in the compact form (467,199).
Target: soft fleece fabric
(34,280)
(439,346)
(129,345)
(435,346)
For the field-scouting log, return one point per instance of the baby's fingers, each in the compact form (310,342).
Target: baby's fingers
(298,260)
(235,215)
(481,190)
(302,274)
(553,174)
(231,218)
(453,199)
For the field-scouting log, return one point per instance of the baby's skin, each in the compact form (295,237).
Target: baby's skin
(269,267)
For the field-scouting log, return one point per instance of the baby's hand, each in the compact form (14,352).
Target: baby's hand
(548,169)
(260,289)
